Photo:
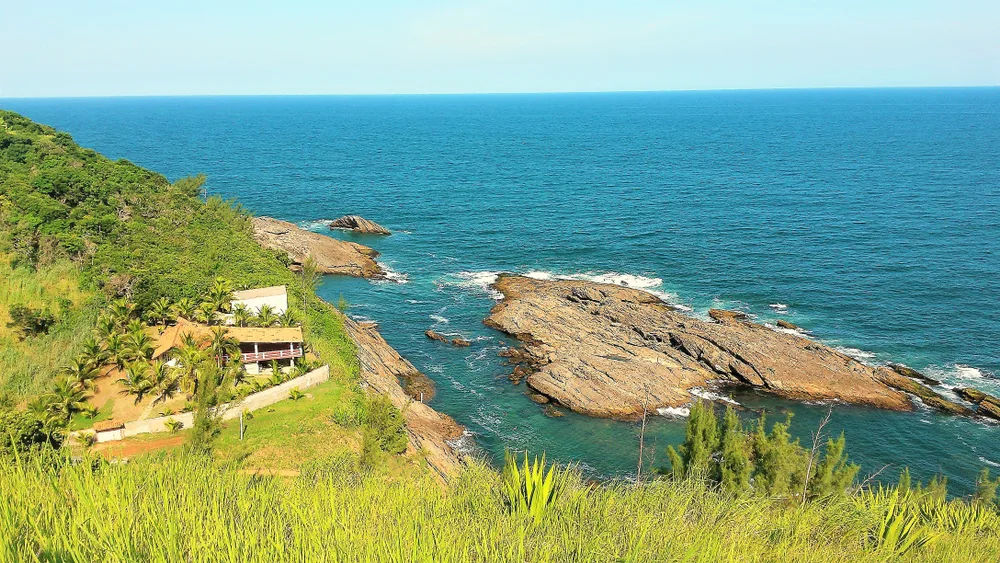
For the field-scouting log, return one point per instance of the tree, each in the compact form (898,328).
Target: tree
(780,462)
(833,473)
(139,346)
(288,319)
(222,345)
(80,373)
(206,313)
(117,350)
(65,400)
(185,308)
(220,294)
(735,467)
(241,315)
(694,457)
(136,381)
(92,352)
(986,488)
(160,311)
(27,321)
(266,316)
(309,278)
(24,433)
(121,311)
(164,382)
(206,426)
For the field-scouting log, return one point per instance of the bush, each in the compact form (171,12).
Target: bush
(30,322)
(388,424)
(22,434)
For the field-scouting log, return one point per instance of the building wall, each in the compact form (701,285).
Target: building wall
(279,303)
(253,402)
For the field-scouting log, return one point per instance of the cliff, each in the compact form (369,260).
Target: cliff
(332,256)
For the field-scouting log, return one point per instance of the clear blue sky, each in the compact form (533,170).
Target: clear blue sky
(140,47)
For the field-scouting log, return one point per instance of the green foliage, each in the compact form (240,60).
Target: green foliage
(207,424)
(986,488)
(768,463)
(295,394)
(173,426)
(30,322)
(531,490)
(23,434)
(387,423)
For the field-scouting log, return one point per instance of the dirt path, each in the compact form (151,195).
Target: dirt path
(124,450)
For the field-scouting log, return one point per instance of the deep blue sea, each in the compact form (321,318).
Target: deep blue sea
(869,217)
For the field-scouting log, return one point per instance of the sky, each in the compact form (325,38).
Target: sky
(58,48)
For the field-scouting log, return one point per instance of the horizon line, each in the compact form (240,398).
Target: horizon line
(525,93)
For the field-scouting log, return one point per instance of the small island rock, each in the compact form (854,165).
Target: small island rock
(359,224)
(332,256)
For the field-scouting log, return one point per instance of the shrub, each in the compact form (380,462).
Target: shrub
(531,490)
(387,423)
(30,322)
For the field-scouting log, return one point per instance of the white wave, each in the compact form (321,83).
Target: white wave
(465,444)
(392,275)
(857,354)
(648,284)
(439,319)
(478,281)
(710,396)
(673,412)
(315,225)
(779,307)
(989,462)
(793,331)
(416,301)
(960,375)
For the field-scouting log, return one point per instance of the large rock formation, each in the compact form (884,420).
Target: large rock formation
(382,369)
(332,256)
(359,224)
(605,350)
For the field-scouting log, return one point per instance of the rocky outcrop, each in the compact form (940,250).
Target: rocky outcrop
(913,374)
(929,397)
(457,341)
(787,325)
(332,256)
(382,369)
(359,224)
(605,350)
(987,405)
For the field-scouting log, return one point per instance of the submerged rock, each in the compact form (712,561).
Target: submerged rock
(603,349)
(457,341)
(926,394)
(987,404)
(359,224)
(913,374)
(538,398)
(551,411)
(787,325)
(724,316)
(332,256)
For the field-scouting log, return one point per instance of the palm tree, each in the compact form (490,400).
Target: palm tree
(66,399)
(39,407)
(266,316)
(139,345)
(241,315)
(93,352)
(160,311)
(189,357)
(135,326)
(106,326)
(220,295)
(116,348)
(222,345)
(136,381)
(185,308)
(80,373)
(288,318)
(164,380)
(121,311)
(206,313)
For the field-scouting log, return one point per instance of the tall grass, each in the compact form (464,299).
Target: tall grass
(182,509)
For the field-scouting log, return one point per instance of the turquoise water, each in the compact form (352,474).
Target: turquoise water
(873,216)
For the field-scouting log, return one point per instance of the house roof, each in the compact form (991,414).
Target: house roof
(259,292)
(106,425)
(173,336)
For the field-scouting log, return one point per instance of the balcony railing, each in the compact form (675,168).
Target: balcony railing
(268,356)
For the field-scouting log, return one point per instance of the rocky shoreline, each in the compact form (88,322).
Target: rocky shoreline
(383,369)
(612,351)
(332,256)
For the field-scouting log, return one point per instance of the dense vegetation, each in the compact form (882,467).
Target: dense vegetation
(96,254)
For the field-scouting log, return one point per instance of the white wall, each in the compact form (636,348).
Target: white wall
(251,403)
(278,303)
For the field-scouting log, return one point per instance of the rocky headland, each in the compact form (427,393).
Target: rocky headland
(611,351)
(385,372)
(332,256)
(359,224)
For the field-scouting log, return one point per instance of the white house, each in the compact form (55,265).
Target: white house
(254,299)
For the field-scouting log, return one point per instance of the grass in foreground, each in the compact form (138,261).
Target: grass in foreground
(184,509)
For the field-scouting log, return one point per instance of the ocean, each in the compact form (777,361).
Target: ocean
(869,217)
